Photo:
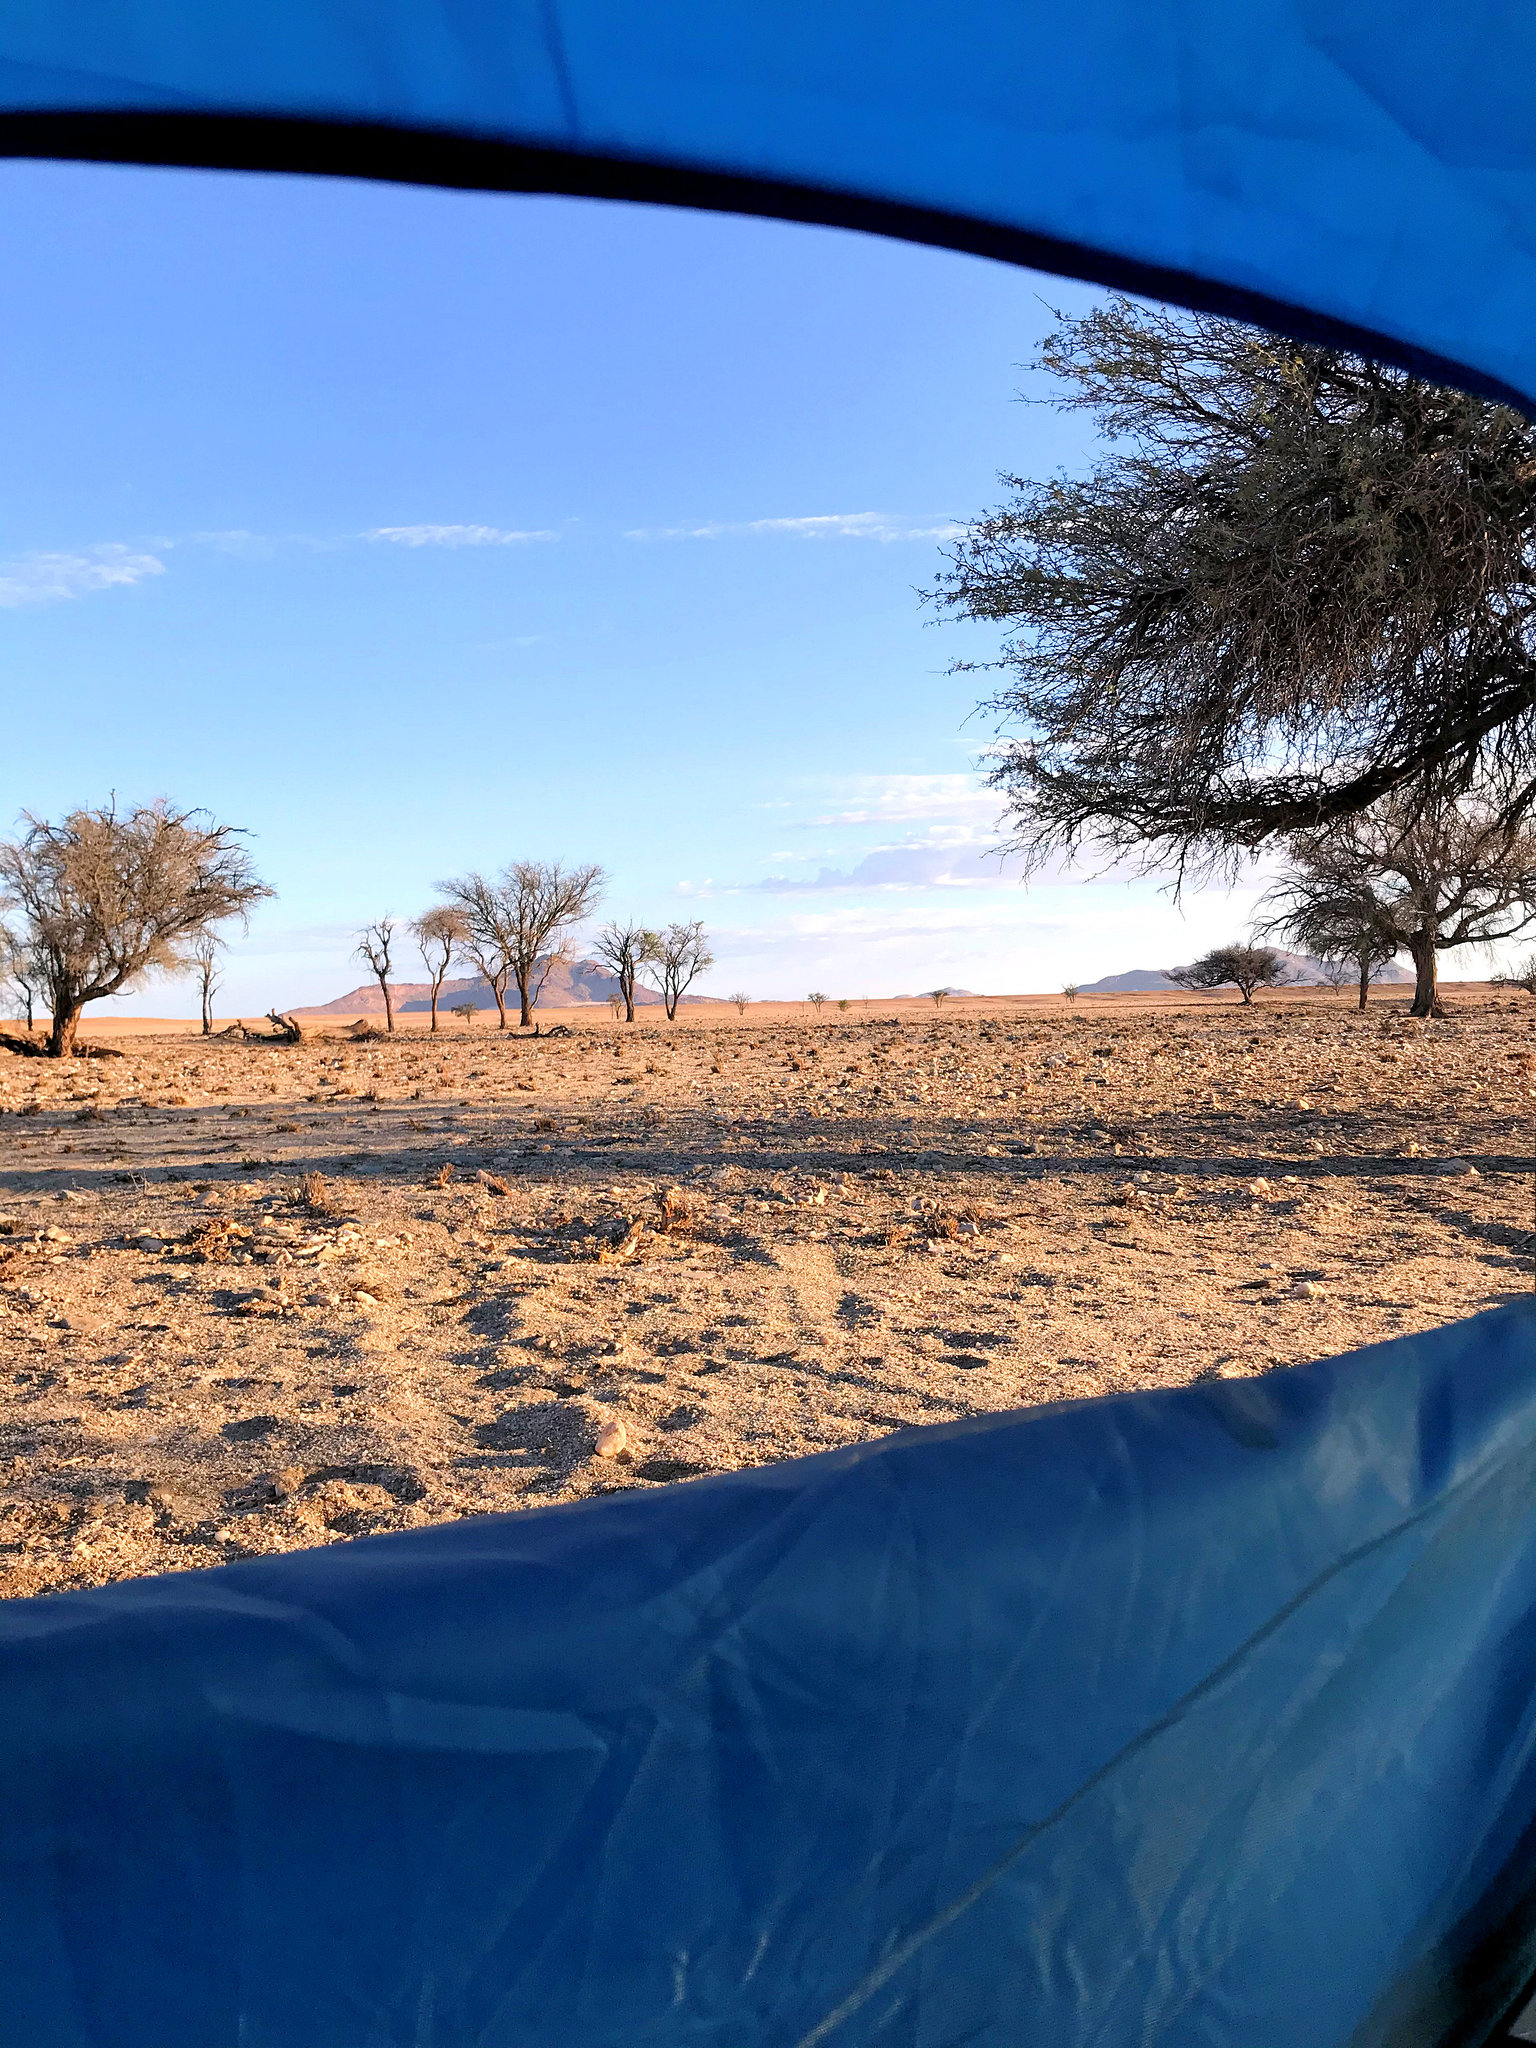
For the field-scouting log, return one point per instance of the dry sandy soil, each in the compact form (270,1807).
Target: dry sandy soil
(741,1239)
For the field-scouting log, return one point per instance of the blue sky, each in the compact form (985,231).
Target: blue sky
(417,531)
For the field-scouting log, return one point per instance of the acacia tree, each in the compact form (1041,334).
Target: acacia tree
(204,959)
(1523,976)
(1298,582)
(439,933)
(103,898)
(487,937)
(624,949)
(519,926)
(1441,874)
(1244,968)
(544,902)
(19,971)
(1336,914)
(373,945)
(678,956)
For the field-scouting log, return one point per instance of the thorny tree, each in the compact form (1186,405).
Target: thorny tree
(19,971)
(1244,968)
(1337,916)
(1442,875)
(544,901)
(439,933)
(519,926)
(1297,583)
(104,898)
(623,950)
(373,945)
(678,956)
(204,961)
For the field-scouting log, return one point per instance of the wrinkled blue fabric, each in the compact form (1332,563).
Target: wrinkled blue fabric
(1193,1717)
(1365,162)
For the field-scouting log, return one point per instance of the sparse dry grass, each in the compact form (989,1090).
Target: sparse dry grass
(253,1298)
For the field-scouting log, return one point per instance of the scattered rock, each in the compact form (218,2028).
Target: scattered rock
(612,1438)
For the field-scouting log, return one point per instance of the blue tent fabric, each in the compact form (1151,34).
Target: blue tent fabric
(1358,170)
(1189,1718)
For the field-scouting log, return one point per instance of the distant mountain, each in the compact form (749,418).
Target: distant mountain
(567,988)
(1140,980)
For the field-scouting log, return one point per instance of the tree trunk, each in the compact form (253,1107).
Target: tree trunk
(61,1035)
(671,1009)
(1246,994)
(1365,980)
(498,990)
(435,987)
(524,1007)
(1426,972)
(627,991)
(389,1007)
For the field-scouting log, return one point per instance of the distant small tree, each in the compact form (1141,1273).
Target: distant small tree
(1335,971)
(843,1003)
(616,1006)
(439,933)
(741,1000)
(624,949)
(1523,976)
(373,944)
(467,1011)
(106,897)
(938,997)
(205,965)
(1244,968)
(677,957)
(1071,991)
(816,998)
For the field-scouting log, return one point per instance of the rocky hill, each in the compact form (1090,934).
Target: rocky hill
(583,981)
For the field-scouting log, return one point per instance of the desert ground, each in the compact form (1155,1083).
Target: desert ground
(256,1297)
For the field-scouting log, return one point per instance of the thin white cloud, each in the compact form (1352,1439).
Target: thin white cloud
(911,799)
(41,578)
(455,536)
(900,867)
(881,526)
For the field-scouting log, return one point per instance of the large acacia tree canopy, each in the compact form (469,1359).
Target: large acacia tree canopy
(1296,582)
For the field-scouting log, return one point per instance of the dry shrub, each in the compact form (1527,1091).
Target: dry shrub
(679,1209)
(215,1239)
(443,1175)
(317,1197)
(494,1184)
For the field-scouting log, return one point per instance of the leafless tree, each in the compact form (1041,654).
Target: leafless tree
(741,1000)
(373,944)
(1297,582)
(1523,976)
(1244,968)
(624,949)
(204,958)
(103,898)
(1336,971)
(1336,915)
(440,933)
(19,972)
(1441,873)
(520,926)
(816,998)
(1070,990)
(547,901)
(488,930)
(678,956)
